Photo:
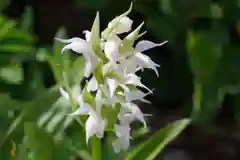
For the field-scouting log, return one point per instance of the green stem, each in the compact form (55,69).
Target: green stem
(96,148)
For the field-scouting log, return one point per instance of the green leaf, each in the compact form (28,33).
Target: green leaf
(56,60)
(20,37)
(39,142)
(153,146)
(95,38)
(6,27)
(12,74)
(17,48)
(129,40)
(204,54)
(207,100)
(26,24)
(95,31)
(77,71)
(23,154)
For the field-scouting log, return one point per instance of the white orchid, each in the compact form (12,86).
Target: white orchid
(124,25)
(84,47)
(123,138)
(114,63)
(95,125)
(92,84)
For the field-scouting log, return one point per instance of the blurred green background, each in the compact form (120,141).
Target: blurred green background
(199,73)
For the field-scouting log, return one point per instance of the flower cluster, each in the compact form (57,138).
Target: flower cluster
(107,99)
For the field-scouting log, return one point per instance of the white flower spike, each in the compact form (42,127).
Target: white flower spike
(114,84)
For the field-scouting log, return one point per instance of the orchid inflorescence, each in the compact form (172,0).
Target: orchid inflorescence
(107,98)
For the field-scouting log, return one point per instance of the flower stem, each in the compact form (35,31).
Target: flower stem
(96,148)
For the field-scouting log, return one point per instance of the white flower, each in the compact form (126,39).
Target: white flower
(130,112)
(112,84)
(134,80)
(111,52)
(76,44)
(109,99)
(138,60)
(88,35)
(135,95)
(124,25)
(144,45)
(92,84)
(123,140)
(83,109)
(75,94)
(121,143)
(118,82)
(94,125)
(82,46)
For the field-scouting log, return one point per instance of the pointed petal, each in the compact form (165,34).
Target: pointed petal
(145,62)
(111,51)
(146,101)
(112,83)
(92,84)
(82,110)
(137,113)
(90,127)
(88,68)
(74,39)
(64,93)
(135,80)
(146,45)
(88,35)
(77,45)
(134,95)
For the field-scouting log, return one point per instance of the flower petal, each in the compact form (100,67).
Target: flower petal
(146,45)
(76,44)
(111,51)
(122,130)
(68,40)
(146,62)
(94,126)
(134,95)
(109,100)
(124,25)
(92,84)
(124,116)
(112,83)
(82,110)
(121,143)
(135,80)
(88,68)
(137,113)
(88,35)
(64,93)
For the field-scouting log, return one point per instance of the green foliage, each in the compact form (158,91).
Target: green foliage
(153,146)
